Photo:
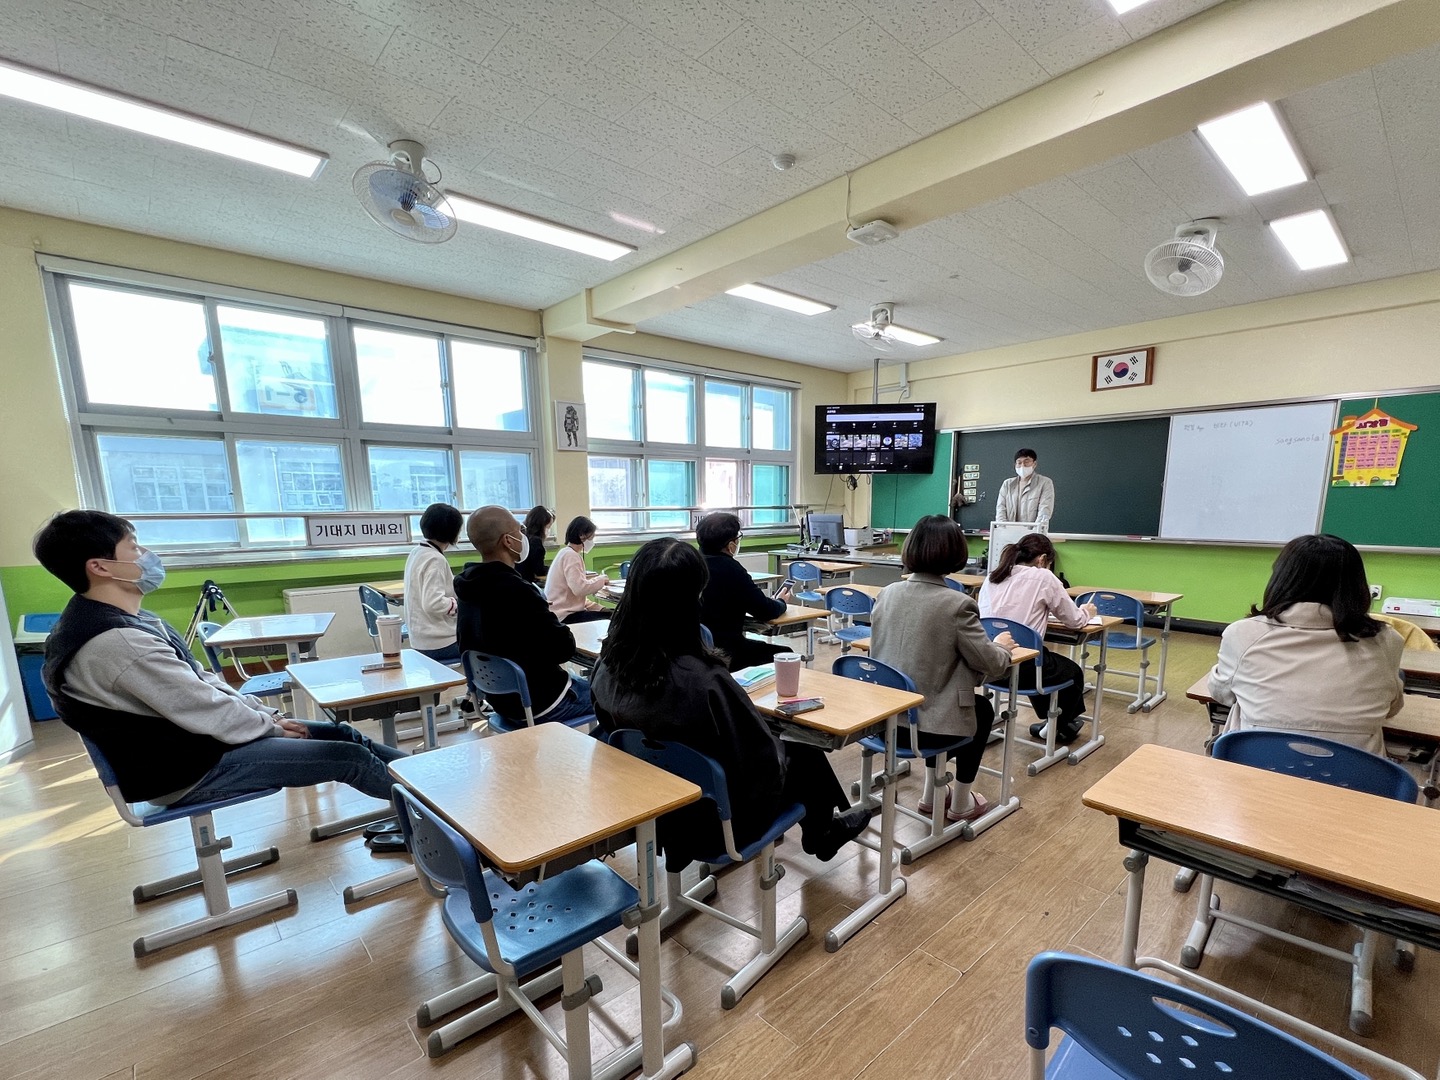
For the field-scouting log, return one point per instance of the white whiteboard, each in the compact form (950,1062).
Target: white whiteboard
(1247,474)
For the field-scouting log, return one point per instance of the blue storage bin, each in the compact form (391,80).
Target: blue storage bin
(36,699)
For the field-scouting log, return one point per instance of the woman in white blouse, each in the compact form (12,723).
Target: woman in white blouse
(1023,588)
(430,585)
(568,586)
(1310,657)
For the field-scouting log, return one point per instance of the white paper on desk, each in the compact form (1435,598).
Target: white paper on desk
(1095,620)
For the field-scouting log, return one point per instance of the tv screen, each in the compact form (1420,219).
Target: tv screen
(875,438)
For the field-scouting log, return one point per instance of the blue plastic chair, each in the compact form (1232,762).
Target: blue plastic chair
(494,676)
(849,603)
(864,669)
(1296,753)
(706,638)
(807,582)
(951,583)
(1029,639)
(624,569)
(1132,611)
(706,774)
(1123,1025)
(513,933)
(269,684)
(373,603)
(211,870)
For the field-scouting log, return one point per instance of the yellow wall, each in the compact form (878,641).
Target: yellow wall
(1360,339)
(37,467)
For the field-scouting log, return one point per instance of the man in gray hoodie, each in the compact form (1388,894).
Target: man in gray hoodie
(174,733)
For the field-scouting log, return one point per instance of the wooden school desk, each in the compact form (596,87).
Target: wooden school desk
(393,591)
(795,615)
(872,591)
(521,814)
(588,637)
(1157,604)
(852,709)
(295,634)
(1421,671)
(1282,835)
(343,690)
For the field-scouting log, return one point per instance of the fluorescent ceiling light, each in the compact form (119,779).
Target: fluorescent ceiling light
(1120,7)
(775,298)
(1254,147)
(533,228)
(68,96)
(1311,239)
(909,337)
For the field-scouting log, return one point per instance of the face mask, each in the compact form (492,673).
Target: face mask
(524,552)
(1024,471)
(152,572)
(589,545)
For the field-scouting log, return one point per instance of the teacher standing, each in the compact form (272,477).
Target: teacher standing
(1027,496)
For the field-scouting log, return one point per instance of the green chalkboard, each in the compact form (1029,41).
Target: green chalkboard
(1408,514)
(898,501)
(1109,477)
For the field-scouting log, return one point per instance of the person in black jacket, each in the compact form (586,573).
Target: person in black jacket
(656,674)
(732,594)
(537,524)
(502,614)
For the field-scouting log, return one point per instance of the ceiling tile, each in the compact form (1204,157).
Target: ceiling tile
(1148,18)
(245,29)
(1033,23)
(752,57)
(649,63)
(709,141)
(1081,45)
(875,65)
(338,28)
(587,131)
(691,26)
(863,126)
(803,25)
(579,27)
(533,62)
(919,24)
(28,38)
(985,63)
(772,129)
(943,112)
(412,58)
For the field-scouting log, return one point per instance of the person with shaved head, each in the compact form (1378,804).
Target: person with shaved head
(502,614)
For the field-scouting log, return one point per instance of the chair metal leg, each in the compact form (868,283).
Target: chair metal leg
(446,1038)
(772,947)
(237,864)
(1362,985)
(1193,951)
(575,1002)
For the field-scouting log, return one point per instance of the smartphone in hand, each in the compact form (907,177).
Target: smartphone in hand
(800,705)
(788,583)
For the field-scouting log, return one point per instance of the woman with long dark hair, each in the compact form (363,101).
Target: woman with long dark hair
(656,673)
(536,524)
(1024,588)
(1310,657)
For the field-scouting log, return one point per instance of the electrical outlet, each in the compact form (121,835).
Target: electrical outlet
(1375,591)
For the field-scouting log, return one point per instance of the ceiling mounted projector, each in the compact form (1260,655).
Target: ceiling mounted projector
(872,232)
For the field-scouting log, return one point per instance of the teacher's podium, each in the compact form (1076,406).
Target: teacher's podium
(1004,533)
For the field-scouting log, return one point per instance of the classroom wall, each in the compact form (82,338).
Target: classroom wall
(1352,341)
(37,466)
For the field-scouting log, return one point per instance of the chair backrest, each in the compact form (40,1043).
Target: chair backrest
(212,654)
(372,603)
(805,573)
(864,669)
(624,569)
(681,760)
(487,675)
(1131,1023)
(1411,634)
(849,601)
(442,854)
(951,583)
(110,783)
(1025,637)
(1113,603)
(1323,760)
(706,638)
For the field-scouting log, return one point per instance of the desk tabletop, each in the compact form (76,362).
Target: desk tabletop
(851,706)
(1089,630)
(339,683)
(1419,718)
(1412,662)
(1428,623)
(589,635)
(794,613)
(823,566)
(531,795)
(1145,596)
(1334,834)
(394,591)
(872,591)
(272,629)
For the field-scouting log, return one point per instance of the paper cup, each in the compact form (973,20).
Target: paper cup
(787,675)
(388,627)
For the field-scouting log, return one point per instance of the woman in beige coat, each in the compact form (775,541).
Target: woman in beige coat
(1311,658)
(932,633)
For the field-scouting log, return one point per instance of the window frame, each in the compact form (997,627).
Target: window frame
(89,421)
(643,450)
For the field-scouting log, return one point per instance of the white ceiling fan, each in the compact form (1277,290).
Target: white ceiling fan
(881,332)
(397,194)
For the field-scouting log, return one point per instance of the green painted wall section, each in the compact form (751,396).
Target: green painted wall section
(1220,583)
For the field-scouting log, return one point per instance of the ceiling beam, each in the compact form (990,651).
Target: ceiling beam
(1152,90)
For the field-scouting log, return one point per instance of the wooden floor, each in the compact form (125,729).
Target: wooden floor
(932,989)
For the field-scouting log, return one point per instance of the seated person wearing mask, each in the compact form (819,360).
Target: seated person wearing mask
(174,733)
(430,585)
(731,594)
(1027,496)
(567,586)
(503,614)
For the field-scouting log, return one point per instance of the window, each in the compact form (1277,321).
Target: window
(218,419)
(707,442)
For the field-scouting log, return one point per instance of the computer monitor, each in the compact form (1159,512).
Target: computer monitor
(829,527)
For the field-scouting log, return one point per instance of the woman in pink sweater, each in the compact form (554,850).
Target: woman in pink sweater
(1023,588)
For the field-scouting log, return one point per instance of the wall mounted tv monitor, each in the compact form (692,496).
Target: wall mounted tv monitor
(875,438)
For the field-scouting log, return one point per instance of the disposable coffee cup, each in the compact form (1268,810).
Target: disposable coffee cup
(787,675)
(388,627)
